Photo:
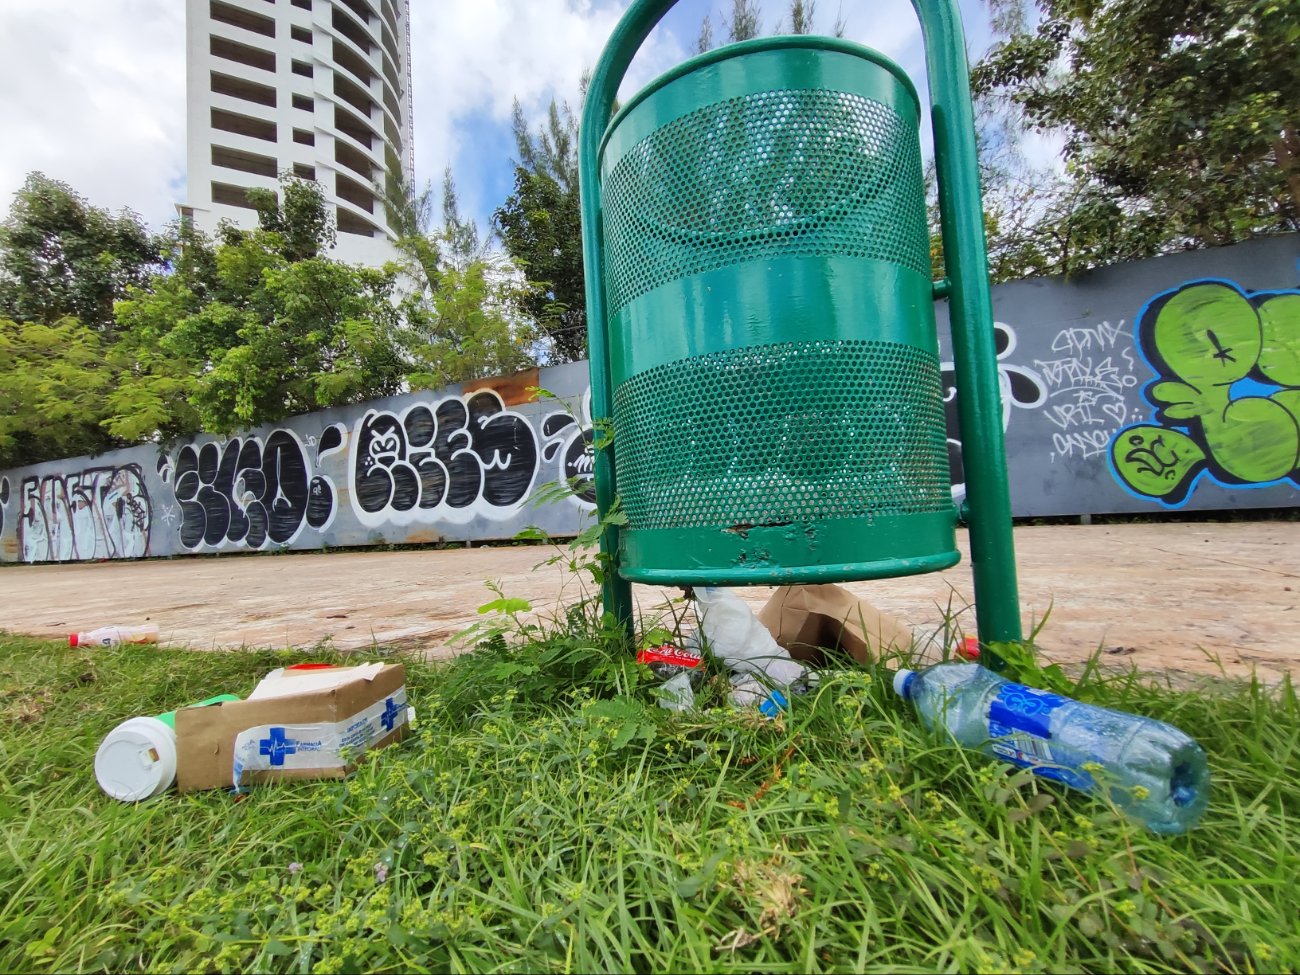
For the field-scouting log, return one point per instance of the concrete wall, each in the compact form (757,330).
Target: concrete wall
(1170,384)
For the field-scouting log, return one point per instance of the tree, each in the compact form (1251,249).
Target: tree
(298,213)
(256,328)
(743,23)
(53,398)
(471,326)
(540,225)
(61,257)
(1181,120)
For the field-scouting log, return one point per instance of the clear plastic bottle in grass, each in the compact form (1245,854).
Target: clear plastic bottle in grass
(1147,768)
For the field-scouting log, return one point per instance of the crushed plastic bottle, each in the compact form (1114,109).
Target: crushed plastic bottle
(680,669)
(112,636)
(747,690)
(1147,768)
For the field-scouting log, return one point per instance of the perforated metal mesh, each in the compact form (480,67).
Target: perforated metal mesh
(803,172)
(794,431)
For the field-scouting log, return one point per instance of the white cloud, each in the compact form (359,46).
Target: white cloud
(93,93)
(471,60)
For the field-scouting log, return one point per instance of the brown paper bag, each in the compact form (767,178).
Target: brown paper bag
(805,619)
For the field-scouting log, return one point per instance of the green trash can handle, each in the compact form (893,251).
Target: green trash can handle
(974,349)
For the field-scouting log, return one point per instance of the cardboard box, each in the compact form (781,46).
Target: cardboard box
(317,733)
(806,619)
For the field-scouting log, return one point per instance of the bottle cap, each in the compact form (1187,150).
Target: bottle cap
(903,683)
(72,639)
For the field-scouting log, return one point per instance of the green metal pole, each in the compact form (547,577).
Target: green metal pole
(636,24)
(979,410)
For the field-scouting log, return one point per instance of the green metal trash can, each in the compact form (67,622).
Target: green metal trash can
(773,358)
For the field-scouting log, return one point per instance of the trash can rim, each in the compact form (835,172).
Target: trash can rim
(812,42)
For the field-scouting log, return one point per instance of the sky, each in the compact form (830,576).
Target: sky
(92,92)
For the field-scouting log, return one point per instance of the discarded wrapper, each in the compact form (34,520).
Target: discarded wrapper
(306,725)
(805,619)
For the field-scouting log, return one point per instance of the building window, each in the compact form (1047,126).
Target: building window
(254,57)
(303,171)
(245,162)
(354,193)
(303,137)
(300,34)
(231,196)
(363,12)
(349,223)
(353,127)
(304,4)
(255,128)
(302,68)
(249,91)
(238,17)
(346,26)
(344,56)
(354,159)
(305,102)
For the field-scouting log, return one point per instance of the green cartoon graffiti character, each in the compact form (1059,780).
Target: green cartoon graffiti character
(1228,395)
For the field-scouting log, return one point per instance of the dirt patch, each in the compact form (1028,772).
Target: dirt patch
(1194,598)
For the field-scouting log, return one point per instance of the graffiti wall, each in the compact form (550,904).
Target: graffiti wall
(462,464)
(1156,386)
(1163,385)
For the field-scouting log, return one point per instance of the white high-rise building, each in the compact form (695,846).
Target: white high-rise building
(321,88)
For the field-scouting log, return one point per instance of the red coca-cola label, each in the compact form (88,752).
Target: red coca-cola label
(666,653)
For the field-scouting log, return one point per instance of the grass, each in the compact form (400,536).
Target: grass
(547,816)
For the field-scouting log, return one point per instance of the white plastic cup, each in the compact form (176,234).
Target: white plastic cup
(137,760)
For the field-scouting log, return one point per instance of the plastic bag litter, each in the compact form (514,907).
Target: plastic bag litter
(736,637)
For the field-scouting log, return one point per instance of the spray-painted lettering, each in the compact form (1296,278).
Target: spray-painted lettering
(95,513)
(452,460)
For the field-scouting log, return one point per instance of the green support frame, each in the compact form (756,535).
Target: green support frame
(987,510)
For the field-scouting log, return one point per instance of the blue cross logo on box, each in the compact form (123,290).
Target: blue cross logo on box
(391,711)
(277,746)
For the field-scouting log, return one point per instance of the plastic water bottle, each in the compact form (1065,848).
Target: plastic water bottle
(137,759)
(111,636)
(1149,769)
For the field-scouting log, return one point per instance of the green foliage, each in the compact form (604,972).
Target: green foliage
(298,213)
(540,226)
(546,816)
(252,330)
(53,397)
(744,22)
(468,326)
(60,257)
(1180,123)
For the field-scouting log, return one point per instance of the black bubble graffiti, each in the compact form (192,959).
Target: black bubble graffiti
(573,446)
(248,493)
(454,453)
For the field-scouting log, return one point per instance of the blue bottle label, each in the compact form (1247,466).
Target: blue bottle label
(1020,726)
